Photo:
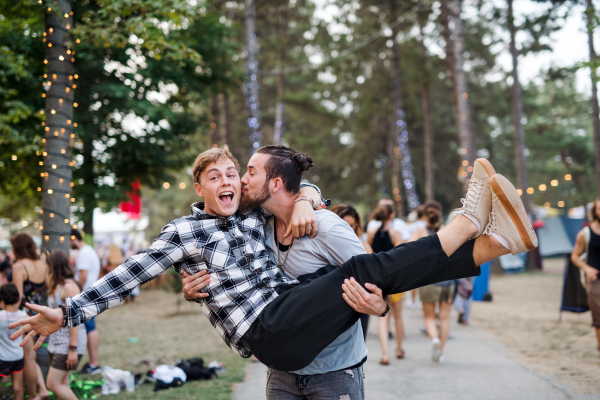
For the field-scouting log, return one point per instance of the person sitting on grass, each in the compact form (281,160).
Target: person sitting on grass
(257,309)
(12,361)
(68,344)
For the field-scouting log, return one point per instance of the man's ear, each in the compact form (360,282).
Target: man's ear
(198,189)
(276,185)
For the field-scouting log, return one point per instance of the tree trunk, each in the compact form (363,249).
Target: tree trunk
(226,123)
(252,86)
(591,12)
(400,127)
(455,61)
(214,128)
(280,108)
(517,115)
(58,149)
(426,110)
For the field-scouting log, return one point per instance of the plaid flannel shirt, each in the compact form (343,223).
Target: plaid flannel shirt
(231,249)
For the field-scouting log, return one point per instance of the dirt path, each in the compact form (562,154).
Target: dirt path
(515,348)
(524,317)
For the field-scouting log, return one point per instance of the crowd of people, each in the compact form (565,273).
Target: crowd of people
(48,278)
(385,231)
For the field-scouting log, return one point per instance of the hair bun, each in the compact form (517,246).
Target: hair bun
(303,161)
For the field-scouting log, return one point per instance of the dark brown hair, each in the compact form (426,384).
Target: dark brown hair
(595,216)
(210,156)
(23,247)
(420,211)
(9,294)
(383,213)
(59,269)
(286,164)
(345,209)
(432,210)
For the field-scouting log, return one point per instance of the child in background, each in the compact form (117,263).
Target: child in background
(67,345)
(11,354)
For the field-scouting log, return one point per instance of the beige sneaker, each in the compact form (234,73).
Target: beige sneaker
(477,203)
(508,218)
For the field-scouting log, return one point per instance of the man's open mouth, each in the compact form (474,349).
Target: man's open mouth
(226,197)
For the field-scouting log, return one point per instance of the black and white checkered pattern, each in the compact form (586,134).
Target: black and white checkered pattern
(231,249)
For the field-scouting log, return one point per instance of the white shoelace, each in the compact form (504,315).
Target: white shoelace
(472,197)
(491,226)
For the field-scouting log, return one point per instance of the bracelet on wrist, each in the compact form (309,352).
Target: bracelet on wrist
(72,348)
(65,320)
(386,311)
(304,198)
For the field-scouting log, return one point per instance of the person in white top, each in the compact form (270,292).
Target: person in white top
(87,271)
(397,224)
(12,360)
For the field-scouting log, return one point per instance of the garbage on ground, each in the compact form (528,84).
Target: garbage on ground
(116,380)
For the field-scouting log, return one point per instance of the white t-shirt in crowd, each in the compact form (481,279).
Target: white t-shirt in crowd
(397,225)
(87,259)
(9,349)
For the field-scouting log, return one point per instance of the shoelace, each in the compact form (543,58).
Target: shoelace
(491,226)
(472,197)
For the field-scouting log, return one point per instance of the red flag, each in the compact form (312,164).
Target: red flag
(133,207)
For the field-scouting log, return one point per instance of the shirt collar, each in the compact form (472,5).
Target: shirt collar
(199,213)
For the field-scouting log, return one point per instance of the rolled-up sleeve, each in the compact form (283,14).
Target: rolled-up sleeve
(113,288)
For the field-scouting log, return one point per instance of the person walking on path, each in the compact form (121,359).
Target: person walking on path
(67,345)
(29,276)
(286,323)
(349,214)
(11,355)
(397,224)
(384,239)
(588,243)
(87,271)
(441,294)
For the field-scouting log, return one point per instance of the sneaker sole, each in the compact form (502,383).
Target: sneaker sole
(487,166)
(511,201)
(435,348)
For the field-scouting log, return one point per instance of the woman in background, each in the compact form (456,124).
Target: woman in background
(67,345)
(442,293)
(350,215)
(29,276)
(384,238)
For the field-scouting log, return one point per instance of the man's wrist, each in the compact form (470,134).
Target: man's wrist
(387,309)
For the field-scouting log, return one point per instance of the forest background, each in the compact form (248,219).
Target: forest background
(157,82)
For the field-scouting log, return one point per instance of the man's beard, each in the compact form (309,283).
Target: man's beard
(249,202)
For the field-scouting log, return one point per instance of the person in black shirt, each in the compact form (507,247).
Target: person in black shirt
(588,242)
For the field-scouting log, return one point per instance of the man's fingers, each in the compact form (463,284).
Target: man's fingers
(20,332)
(40,342)
(21,322)
(350,303)
(315,229)
(28,338)
(301,229)
(374,289)
(351,292)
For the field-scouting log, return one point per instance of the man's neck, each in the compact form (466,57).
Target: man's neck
(281,207)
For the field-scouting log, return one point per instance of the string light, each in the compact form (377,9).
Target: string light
(520,192)
(166,185)
(561,203)
(182,185)
(542,187)
(567,177)
(530,190)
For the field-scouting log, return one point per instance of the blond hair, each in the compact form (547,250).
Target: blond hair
(209,156)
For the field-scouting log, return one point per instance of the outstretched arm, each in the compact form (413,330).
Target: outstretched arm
(109,291)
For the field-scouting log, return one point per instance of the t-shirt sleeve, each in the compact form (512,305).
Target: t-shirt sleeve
(340,243)
(83,260)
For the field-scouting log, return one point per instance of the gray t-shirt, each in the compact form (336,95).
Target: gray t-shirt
(334,244)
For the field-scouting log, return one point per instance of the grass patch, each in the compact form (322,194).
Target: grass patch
(164,337)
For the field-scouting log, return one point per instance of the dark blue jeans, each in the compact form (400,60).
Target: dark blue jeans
(295,327)
(346,384)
